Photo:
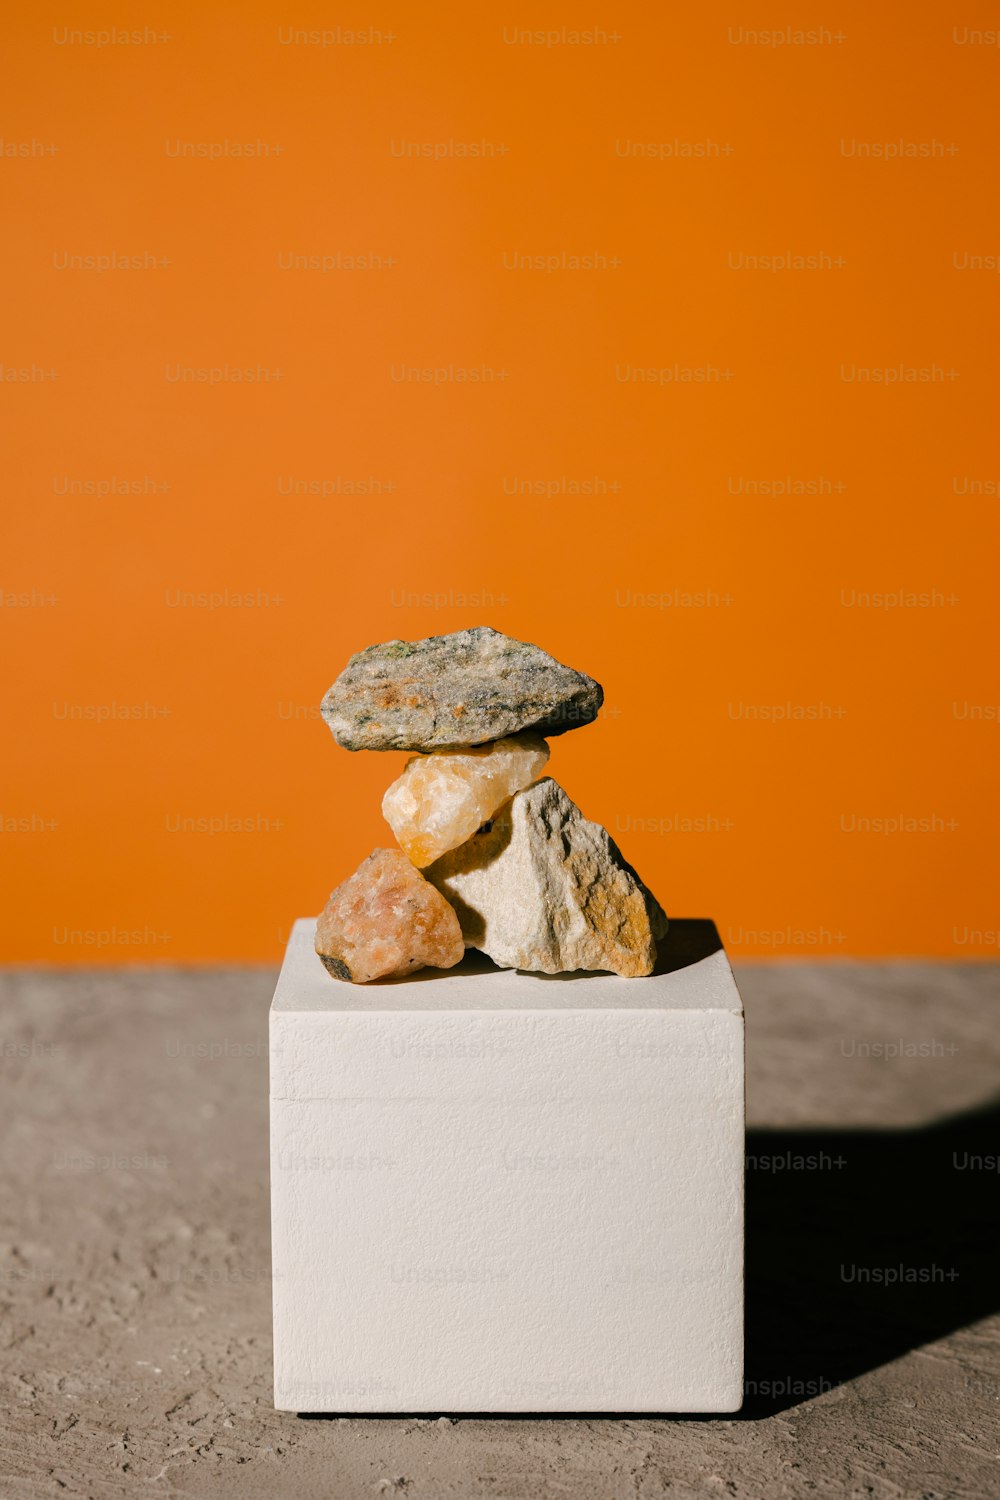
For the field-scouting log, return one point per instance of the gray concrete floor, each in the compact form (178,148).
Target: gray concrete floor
(134,1265)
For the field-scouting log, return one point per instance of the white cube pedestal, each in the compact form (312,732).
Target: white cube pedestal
(495,1191)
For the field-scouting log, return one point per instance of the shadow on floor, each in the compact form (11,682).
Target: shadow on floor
(861,1245)
(887,1243)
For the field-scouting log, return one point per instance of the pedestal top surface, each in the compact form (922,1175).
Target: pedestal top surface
(692,973)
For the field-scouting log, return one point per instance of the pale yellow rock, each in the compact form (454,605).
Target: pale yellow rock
(441,799)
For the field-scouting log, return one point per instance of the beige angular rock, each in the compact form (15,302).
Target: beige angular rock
(442,798)
(386,920)
(542,888)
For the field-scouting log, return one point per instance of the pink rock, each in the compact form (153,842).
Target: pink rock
(386,920)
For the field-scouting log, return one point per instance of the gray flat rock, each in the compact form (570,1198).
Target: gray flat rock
(452,690)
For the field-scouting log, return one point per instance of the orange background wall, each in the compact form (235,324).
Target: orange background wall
(713,543)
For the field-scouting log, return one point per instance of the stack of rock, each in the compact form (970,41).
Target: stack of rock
(490,856)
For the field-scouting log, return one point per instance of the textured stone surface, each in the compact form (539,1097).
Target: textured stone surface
(454,690)
(442,798)
(386,920)
(135,1278)
(543,888)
